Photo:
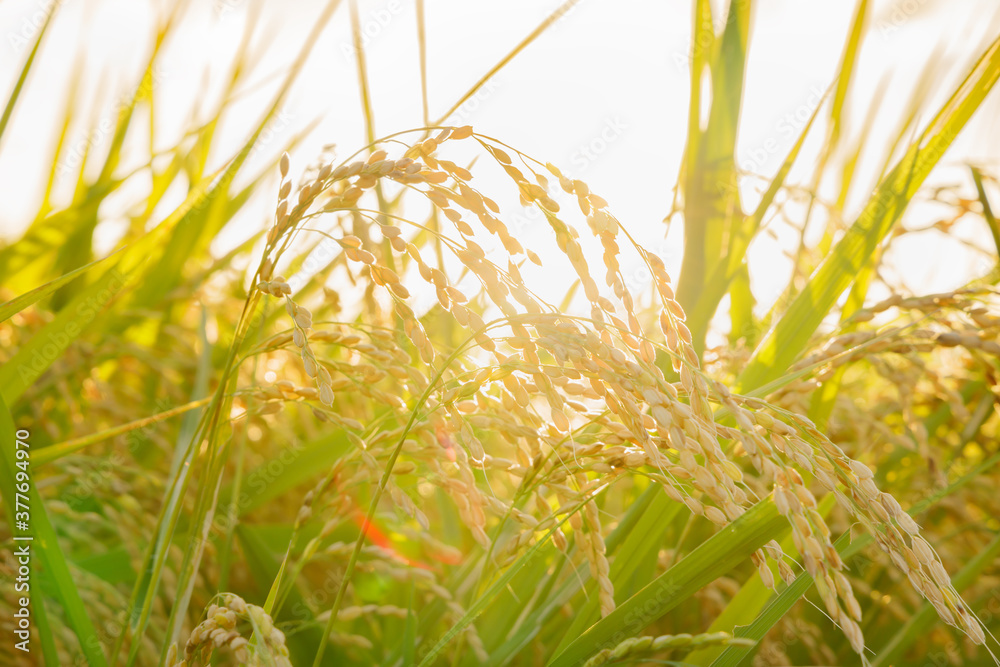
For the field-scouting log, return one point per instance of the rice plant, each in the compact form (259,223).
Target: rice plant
(361,434)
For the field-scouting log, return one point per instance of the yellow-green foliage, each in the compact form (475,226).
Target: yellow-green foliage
(362,437)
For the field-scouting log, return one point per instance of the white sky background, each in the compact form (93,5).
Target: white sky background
(617,69)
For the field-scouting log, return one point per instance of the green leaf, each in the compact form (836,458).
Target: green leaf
(23,77)
(781,604)
(786,340)
(484,600)
(56,452)
(638,546)
(18,304)
(749,600)
(846,72)
(991,220)
(505,611)
(113,566)
(554,596)
(410,632)
(734,655)
(262,562)
(46,346)
(35,357)
(727,270)
(711,197)
(713,558)
(44,543)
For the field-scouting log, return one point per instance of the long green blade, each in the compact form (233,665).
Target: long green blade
(713,558)
(786,340)
(780,605)
(44,542)
(18,304)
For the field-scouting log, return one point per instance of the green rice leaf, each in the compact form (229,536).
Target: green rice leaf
(713,558)
(43,545)
(784,601)
(789,336)
(18,304)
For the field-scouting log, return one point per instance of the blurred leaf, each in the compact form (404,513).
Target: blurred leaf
(35,357)
(724,272)
(925,618)
(711,196)
(18,304)
(44,543)
(262,560)
(494,590)
(786,340)
(56,452)
(991,220)
(23,76)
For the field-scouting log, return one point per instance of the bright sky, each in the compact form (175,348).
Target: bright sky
(602,94)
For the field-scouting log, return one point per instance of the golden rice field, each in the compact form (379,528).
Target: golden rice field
(262,407)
